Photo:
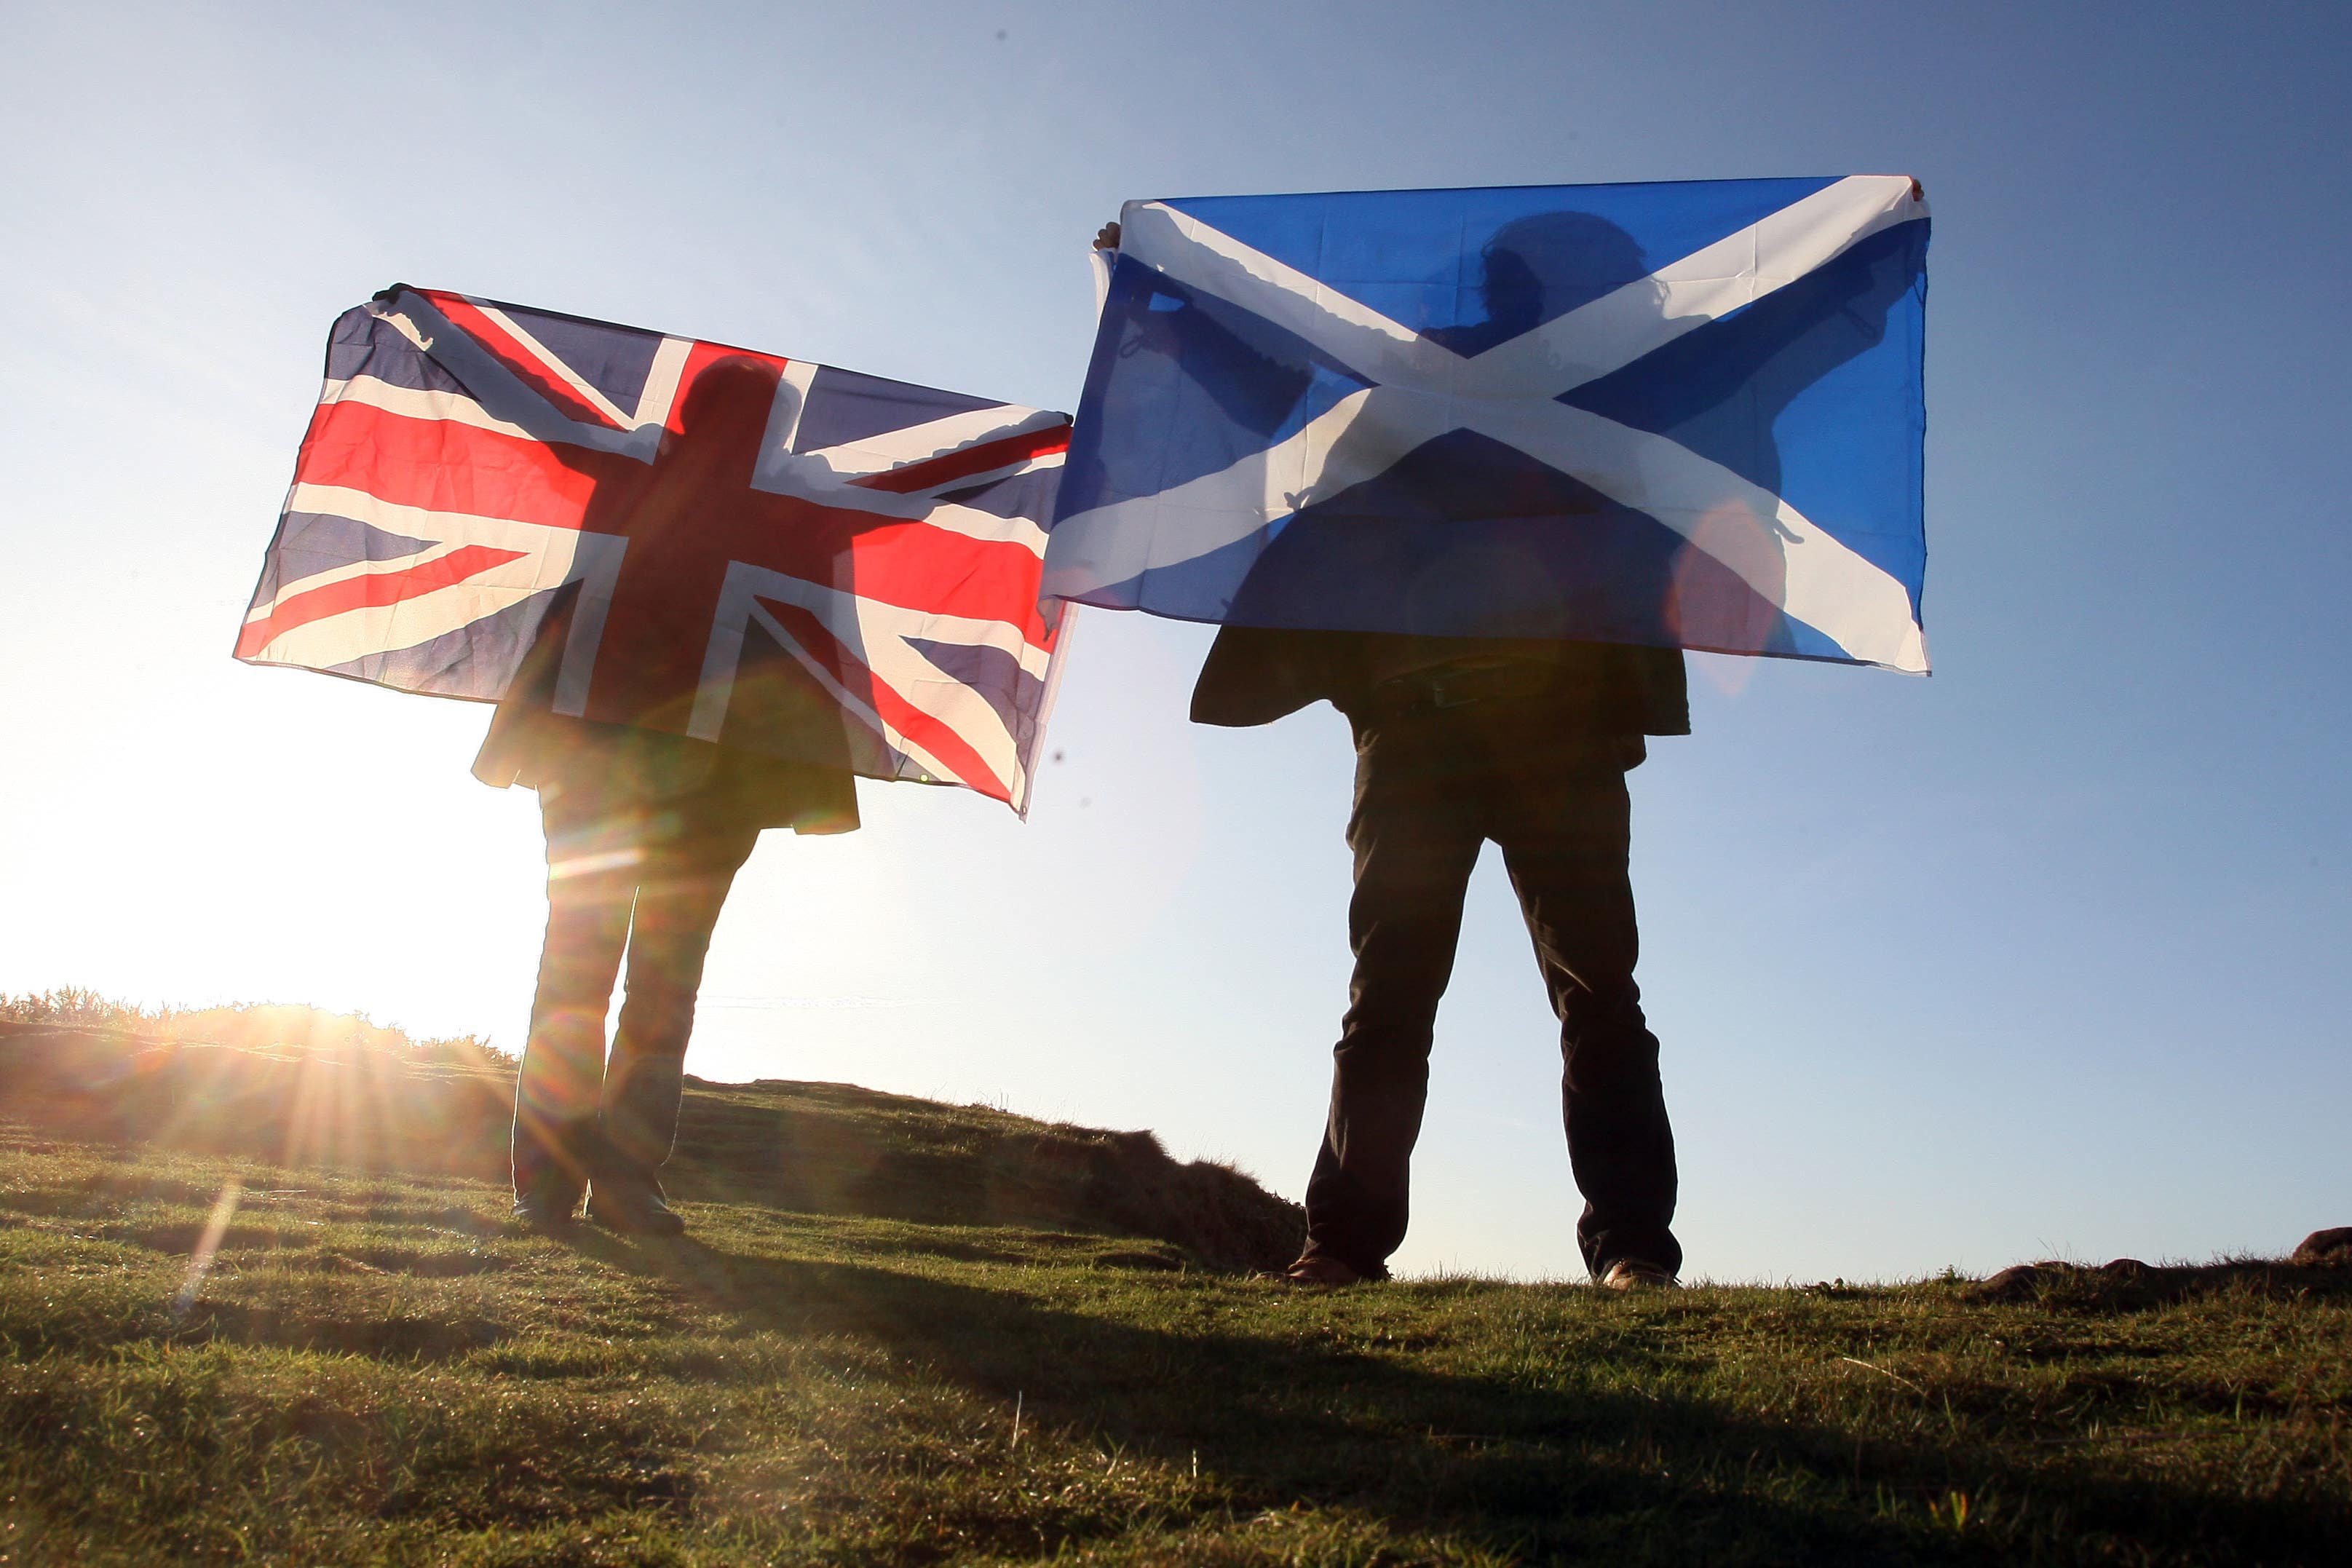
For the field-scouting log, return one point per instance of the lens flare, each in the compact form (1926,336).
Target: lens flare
(200,1262)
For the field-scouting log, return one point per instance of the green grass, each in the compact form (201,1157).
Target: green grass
(824,1148)
(376,1368)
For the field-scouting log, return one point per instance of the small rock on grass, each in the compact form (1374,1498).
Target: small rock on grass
(2326,1249)
(2017,1282)
(2023,1281)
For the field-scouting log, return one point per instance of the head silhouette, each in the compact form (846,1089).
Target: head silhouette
(707,460)
(727,404)
(1546,264)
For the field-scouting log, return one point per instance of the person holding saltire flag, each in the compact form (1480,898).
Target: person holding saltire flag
(705,586)
(1474,466)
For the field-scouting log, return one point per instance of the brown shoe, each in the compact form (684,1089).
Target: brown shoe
(1321,1268)
(1633,1274)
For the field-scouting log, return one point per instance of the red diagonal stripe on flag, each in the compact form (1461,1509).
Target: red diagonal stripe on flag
(948,466)
(370,592)
(503,346)
(934,735)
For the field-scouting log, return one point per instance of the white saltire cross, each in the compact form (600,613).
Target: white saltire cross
(1423,390)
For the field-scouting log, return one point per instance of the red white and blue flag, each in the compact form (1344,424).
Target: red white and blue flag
(723,526)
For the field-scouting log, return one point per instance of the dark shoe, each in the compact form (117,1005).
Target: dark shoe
(547,1209)
(633,1208)
(1633,1274)
(1322,1268)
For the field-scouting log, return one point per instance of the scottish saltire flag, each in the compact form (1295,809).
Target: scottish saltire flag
(722,528)
(1684,414)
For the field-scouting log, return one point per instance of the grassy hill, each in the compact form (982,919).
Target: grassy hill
(358,1097)
(208,1355)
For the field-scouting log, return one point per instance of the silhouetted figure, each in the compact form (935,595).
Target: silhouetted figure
(645,829)
(1459,741)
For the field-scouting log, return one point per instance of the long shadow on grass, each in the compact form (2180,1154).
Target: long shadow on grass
(1528,1471)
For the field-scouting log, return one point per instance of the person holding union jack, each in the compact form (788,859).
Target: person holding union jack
(646,828)
(706,586)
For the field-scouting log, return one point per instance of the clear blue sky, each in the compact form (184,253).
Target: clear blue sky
(2044,954)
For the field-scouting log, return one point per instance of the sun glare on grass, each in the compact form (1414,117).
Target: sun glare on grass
(200,1261)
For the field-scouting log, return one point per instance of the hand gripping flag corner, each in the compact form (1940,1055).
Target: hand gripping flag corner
(1686,414)
(723,532)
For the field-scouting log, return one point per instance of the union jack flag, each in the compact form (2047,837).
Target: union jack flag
(723,525)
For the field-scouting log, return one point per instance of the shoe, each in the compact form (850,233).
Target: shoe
(1632,1274)
(1322,1268)
(633,1208)
(547,1210)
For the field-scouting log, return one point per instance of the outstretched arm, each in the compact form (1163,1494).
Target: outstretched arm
(1253,388)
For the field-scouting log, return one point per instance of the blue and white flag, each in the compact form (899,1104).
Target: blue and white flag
(1686,415)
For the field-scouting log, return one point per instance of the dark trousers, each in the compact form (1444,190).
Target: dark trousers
(633,878)
(1432,785)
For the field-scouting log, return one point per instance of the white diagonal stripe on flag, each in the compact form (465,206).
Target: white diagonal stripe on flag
(507,395)
(1123,540)
(1506,393)
(546,557)
(551,363)
(1820,581)
(263,610)
(877,634)
(1189,251)
(1604,335)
